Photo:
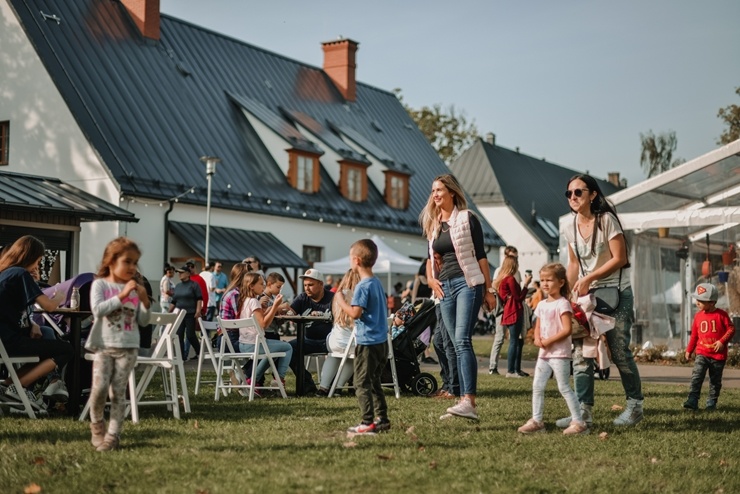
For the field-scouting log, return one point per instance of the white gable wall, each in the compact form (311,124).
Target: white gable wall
(44,136)
(532,254)
(276,145)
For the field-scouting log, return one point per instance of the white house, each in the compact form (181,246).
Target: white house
(122,102)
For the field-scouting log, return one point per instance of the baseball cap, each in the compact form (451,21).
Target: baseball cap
(183,269)
(314,274)
(705,292)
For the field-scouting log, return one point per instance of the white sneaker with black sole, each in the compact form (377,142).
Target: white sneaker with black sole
(56,391)
(35,402)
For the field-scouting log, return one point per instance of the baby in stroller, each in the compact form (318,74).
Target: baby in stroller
(400,318)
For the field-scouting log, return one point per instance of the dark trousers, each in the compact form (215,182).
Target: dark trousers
(188,328)
(445,350)
(369,363)
(703,364)
(309,346)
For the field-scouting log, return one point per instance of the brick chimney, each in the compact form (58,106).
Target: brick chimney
(339,65)
(145,14)
(491,138)
(613,178)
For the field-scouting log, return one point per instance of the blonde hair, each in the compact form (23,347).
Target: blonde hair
(245,291)
(349,282)
(509,267)
(429,216)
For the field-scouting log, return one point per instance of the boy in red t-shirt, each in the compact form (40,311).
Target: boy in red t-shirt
(710,333)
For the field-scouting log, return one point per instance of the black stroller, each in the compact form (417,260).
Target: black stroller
(407,347)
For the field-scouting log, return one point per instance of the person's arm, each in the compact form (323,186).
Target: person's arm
(271,311)
(573,268)
(432,281)
(489,299)
(537,334)
(693,339)
(49,304)
(353,311)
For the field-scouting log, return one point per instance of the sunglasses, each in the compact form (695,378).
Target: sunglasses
(576,192)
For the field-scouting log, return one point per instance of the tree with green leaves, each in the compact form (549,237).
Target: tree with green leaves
(731,115)
(657,152)
(447,130)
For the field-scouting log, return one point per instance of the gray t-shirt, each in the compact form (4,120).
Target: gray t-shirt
(594,259)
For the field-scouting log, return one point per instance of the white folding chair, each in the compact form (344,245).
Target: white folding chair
(206,350)
(348,355)
(10,363)
(316,359)
(166,324)
(167,356)
(229,358)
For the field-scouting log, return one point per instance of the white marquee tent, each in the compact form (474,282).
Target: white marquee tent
(389,262)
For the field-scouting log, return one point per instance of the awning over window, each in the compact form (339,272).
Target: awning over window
(233,245)
(20,192)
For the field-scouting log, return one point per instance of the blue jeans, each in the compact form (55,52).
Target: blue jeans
(460,307)
(281,363)
(618,340)
(701,366)
(445,350)
(516,345)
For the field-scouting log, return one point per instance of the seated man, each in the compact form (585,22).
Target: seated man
(315,300)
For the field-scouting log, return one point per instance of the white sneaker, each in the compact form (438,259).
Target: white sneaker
(56,391)
(513,375)
(464,408)
(35,402)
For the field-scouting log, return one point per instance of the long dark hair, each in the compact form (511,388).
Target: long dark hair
(23,252)
(599,206)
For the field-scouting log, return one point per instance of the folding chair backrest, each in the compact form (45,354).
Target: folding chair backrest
(236,324)
(9,362)
(169,322)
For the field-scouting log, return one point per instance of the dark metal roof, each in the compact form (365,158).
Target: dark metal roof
(22,192)
(151,109)
(533,188)
(233,245)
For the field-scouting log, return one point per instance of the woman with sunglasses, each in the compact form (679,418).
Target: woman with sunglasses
(598,257)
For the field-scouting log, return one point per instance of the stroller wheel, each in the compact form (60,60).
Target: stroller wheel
(424,384)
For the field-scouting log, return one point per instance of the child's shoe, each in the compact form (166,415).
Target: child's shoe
(576,428)
(711,405)
(531,427)
(109,443)
(98,433)
(691,404)
(382,425)
(363,429)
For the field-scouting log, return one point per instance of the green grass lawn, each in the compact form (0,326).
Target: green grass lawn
(299,445)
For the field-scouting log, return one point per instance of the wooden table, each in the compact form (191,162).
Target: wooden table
(300,323)
(73,368)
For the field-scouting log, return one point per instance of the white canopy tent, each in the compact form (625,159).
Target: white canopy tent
(389,262)
(676,221)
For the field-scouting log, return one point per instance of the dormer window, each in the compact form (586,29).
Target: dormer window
(353,181)
(396,190)
(303,172)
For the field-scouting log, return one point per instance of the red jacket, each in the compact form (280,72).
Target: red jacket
(513,297)
(203,288)
(708,327)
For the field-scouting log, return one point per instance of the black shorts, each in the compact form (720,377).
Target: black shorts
(22,345)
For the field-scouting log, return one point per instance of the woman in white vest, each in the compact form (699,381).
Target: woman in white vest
(460,278)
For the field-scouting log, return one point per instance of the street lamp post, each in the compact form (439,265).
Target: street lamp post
(210,162)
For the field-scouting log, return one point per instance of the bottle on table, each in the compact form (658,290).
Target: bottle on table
(74,300)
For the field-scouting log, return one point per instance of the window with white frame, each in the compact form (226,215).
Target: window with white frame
(398,193)
(305,171)
(354,184)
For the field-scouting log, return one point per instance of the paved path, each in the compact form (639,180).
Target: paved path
(649,373)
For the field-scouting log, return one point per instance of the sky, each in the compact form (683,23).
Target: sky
(571,81)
